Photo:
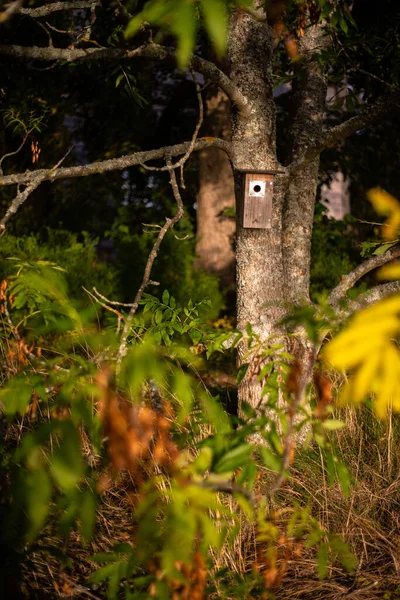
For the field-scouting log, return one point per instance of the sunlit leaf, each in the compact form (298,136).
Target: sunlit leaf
(389,271)
(214,12)
(234,459)
(386,204)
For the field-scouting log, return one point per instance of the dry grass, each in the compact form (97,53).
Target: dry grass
(369,520)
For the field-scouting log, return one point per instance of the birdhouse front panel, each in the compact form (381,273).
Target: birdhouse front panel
(257,200)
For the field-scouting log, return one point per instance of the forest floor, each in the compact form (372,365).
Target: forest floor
(368,519)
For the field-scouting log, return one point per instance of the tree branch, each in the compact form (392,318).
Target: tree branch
(47,9)
(24,194)
(113,164)
(349,280)
(169,224)
(379,292)
(18,200)
(367,117)
(150,51)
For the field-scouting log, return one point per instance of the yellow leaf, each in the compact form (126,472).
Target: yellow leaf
(364,334)
(383,203)
(363,380)
(386,204)
(389,380)
(389,271)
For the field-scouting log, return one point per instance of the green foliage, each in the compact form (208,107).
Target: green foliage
(182,18)
(333,252)
(22,124)
(173,269)
(147,418)
(78,259)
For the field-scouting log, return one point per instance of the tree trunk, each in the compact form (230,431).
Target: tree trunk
(273,266)
(215,230)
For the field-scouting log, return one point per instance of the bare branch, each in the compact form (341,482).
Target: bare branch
(22,144)
(11,10)
(18,200)
(24,194)
(379,292)
(111,302)
(351,278)
(150,51)
(169,224)
(47,9)
(367,117)
(180,164)
(114,164)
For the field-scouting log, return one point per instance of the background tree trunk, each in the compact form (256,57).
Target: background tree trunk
(215,230)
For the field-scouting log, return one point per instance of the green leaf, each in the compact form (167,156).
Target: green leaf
(38,496)
(119,79)
(165,297)
(269,459)
(183,391)
(105,557)
(184,27)
(343,25)
(248,474)
(241,373)
(215,21)
(344,478)
(203,461)
(322,561)
(383,248)
(195,336)
(234,459)
(16,396)
(87,514)
(66,464)
(343,552)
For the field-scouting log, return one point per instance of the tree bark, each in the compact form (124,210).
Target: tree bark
(215,230)
(273,266)
(259,258)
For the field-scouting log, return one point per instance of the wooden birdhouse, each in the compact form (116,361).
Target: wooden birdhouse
(255,199)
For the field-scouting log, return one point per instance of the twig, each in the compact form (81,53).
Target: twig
(359,69)
(227,487)
(307,367)
(22,144)
(111,302)
(12,9)
(169,224)
(22,196)
(116,312)
(16,203)
(180,163)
